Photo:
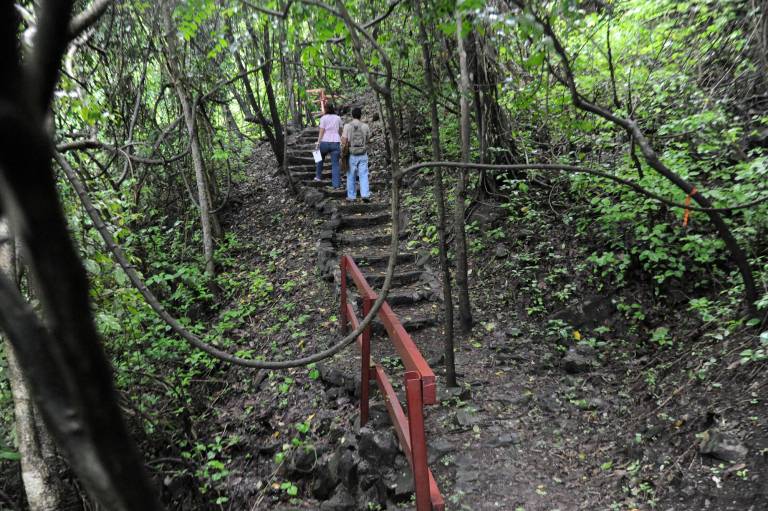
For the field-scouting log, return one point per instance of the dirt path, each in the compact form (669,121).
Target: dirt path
(541,422)
(497,442)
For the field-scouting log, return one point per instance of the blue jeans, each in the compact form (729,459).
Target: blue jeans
(334,148)
(358,164)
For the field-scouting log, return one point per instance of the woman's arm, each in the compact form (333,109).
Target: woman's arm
(320,137)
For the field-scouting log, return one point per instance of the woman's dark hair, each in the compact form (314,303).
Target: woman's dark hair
(330,109)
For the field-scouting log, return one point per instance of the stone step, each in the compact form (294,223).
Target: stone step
(352,240)
(341,193)
(397,297)
(304,152)
(411,325)
(300,160)
(357,220)
(374,236)
(314,184)
(299,147)
(301,175)
(381,258)
(425,314)
(376,279)
(357,208)
(301,168)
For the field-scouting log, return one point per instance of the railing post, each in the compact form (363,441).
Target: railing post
(343,295)
(365,363)
(413,393)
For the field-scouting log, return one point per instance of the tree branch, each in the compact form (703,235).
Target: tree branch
(88,17)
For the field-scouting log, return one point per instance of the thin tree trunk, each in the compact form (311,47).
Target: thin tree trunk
(450,364)
(286,69)
(460,238)
(194,143)
(233,123)
(255,107)
(266,73)
(42,485)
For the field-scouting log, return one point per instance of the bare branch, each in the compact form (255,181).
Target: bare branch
(376,20)
(96,144)
(270,12)
(174,323)
(88,17)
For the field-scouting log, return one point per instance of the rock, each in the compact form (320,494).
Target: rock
(591,313)
(464,419)
(403,488)
(595,403)
(373,497)
(366,473)
(501,252)
(302,462)
(422,259)
(549,403)
(339,379)
(722,446)
(437,449)
(486,215)
(574,362)
(377,447)
(467,473)
(334,393)
(341,501)
(313,196)
(447,393)
(514,332)
(346,467)
(378,416)
(325,478)
(331,375)
(504,440)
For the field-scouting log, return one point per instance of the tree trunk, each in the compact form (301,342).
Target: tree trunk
(460,238)
(266,73)
(38,458)
(190,119)
(233,123)
(448,345)
(286,69)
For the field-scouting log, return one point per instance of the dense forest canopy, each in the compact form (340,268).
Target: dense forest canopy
(635,132)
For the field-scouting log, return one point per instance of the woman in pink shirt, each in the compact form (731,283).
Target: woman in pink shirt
(329,141)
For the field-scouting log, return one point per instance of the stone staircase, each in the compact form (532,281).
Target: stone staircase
(363,231)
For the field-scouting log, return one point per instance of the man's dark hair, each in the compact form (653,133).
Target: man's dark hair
(330,109)
(357,112)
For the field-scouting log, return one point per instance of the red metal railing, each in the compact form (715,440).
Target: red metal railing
(420,387)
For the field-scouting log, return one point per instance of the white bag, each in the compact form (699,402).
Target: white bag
(317,155)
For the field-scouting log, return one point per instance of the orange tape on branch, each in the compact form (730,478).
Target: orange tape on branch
(687,213)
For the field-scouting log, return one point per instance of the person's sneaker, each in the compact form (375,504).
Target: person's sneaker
(366,199)
(318,179)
